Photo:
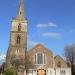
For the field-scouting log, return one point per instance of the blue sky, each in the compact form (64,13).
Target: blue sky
(50,22)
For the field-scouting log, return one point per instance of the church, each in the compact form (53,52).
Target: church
(39,60)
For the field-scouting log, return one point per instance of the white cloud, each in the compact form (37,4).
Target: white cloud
(50,24)
(52,35)
(2,57)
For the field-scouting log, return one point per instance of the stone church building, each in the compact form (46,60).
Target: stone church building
(39,60)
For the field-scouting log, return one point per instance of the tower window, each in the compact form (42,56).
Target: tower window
(20,13)
(18,39)
(19,27)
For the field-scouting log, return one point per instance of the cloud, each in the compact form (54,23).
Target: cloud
(50,24)
(52,35)
(2,57)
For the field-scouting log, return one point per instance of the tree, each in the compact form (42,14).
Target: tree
(2,68)
(69,52)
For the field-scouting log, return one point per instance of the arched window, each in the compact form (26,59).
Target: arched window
(19,27)
(18,39)
(40,58)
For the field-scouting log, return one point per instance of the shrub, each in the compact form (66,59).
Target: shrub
(10,71)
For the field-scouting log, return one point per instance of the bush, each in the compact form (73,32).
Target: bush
(10,71)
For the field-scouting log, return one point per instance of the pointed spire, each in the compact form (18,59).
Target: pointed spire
(21,11)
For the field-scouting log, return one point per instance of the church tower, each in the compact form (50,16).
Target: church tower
(17,46)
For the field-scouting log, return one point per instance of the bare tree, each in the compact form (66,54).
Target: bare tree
(70,56)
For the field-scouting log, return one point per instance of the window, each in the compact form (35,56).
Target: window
(59,64)
(19,27)
(18,39)
(44,59)
(50,72)
(40,58)
(20,13)
(63,72)
(35,58)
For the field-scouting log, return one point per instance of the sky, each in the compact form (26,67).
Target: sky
(50,22)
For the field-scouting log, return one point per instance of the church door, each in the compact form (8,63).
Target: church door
(41,72)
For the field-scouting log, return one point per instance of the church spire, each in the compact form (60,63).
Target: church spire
(21,11)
